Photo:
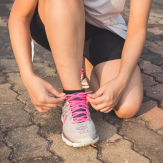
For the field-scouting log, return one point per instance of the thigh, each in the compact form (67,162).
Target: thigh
(39,35)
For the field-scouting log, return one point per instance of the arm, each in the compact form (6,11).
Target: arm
(19,29)
(136,36)
(108,95)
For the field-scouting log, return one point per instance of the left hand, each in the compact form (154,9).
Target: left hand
(107,96)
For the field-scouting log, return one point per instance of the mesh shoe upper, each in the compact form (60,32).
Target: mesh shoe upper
(77,123)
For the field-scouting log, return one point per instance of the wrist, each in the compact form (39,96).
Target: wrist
(27,76)
(123,79)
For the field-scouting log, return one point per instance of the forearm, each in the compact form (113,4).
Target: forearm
(136,35)
(21,43)
(131,53)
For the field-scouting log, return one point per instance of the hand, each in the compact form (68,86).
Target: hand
(107,96)
(39,90)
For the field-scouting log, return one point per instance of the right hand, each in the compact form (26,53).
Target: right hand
(39,90)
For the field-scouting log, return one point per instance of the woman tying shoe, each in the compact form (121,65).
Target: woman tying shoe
(111,54)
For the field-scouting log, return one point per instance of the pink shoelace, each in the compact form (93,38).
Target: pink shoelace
(78,106)
(83,73)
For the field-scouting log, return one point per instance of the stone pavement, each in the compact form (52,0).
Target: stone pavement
(27,136)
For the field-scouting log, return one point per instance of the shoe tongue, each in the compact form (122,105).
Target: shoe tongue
(80,115)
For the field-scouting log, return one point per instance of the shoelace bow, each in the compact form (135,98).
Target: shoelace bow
(78,106)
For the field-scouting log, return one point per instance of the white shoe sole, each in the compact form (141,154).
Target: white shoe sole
(85,142)
(85,86)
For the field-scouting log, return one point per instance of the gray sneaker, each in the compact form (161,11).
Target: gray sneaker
(78,127)
(84,82)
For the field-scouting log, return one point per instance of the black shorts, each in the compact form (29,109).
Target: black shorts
(100,45)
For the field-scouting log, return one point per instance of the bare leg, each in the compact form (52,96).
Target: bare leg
(91,76)
(65,27)
(131,99)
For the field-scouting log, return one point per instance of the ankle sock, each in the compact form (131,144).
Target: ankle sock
(73,91)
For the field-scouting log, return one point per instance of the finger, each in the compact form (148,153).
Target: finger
(98,93)
(109,110)
(99,107)
(55,92)
(106,110)
(97,100)
(42,107)
(46,108)
(50,101)
(42,110)
(47,105)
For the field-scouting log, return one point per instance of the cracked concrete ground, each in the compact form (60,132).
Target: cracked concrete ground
(27,136)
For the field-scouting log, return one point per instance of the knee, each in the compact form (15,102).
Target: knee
(127,110)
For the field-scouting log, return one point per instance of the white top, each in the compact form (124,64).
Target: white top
(106,14)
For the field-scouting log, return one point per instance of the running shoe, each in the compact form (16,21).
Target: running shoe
(78,127)
(84,80)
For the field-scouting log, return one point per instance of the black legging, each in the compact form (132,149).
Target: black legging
(103,45)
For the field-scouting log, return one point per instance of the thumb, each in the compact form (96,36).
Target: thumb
(98,93)
(53,91)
